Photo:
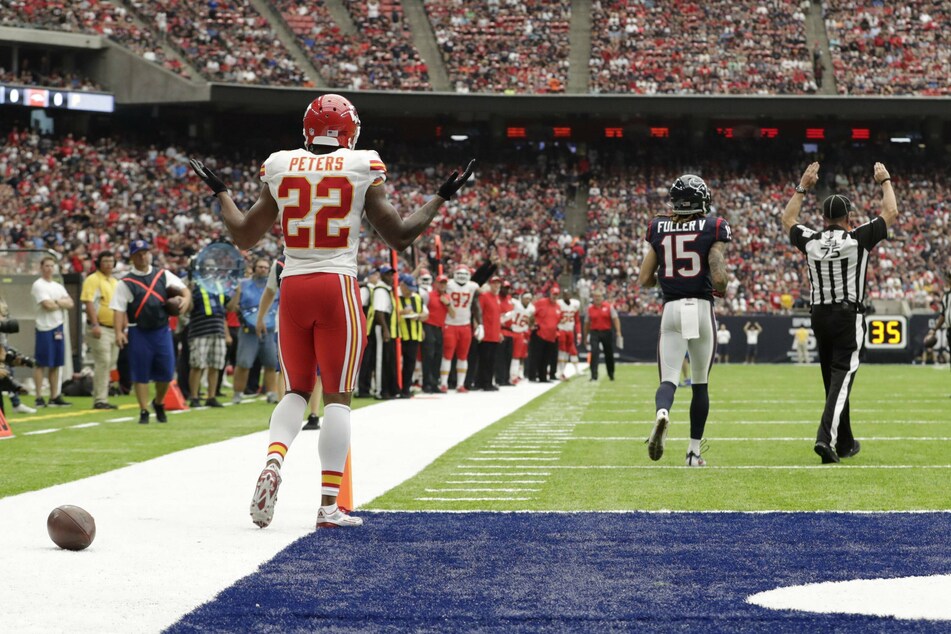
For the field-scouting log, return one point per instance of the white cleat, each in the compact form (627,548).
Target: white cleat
(265,496)
(655,444)
(24,409)
(694,460)
(337,519)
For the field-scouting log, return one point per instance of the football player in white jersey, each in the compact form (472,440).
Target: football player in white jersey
(521,320)
(319,194)
(463,296)
(569,332)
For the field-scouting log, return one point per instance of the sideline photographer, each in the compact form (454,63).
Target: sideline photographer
(9,358)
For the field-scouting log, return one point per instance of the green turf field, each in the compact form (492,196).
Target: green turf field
(581,446)
(77,449)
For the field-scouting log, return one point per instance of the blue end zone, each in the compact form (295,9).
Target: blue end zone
(591,571)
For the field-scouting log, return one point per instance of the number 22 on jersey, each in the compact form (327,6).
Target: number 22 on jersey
(306,224)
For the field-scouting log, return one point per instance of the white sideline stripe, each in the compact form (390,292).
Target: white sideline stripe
(644,421)
(490,489)
(666,512)
(518,452)
(767,438)
(83,426)
(495,482)
(41,431)
(120,420)
(509,458)
(728,467)
(194,503)
(430,499)
(508,473)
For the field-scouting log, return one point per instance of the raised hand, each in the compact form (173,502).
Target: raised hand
(455,182)
(810,177)
(211,179)
(881,174)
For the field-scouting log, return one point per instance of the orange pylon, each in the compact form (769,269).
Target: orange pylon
(345,497)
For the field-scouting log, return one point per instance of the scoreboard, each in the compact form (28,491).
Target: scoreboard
(886,332)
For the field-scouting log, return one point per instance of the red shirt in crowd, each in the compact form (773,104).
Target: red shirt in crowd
(491,317)
(600,316)
(437,310)
(547,316)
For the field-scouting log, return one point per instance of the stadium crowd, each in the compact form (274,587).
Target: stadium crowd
(746,47)
(506,46)
(54,79)
(228,40)
(79,197)
(96,17)
(379,55)
(890,49)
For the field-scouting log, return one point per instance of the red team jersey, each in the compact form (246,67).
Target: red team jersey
(547,316)
(491,317)
(321,201)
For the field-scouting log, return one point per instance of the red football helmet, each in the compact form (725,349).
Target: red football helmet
(331,120)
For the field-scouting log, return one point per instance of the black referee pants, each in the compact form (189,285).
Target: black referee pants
(601,340)
(840,336)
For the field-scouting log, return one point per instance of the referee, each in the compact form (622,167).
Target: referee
(837,259)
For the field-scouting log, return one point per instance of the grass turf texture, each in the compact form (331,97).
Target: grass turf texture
(33,462)
(581,447)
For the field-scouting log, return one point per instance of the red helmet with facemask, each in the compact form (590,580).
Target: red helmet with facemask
(331,120)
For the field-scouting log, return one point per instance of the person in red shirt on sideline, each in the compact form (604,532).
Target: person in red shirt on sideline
(439,306)
(492,334)
(503,356)
(597,332)
(543,347)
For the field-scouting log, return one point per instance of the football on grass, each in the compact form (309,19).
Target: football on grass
(71,527)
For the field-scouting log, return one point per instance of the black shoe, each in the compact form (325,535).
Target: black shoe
(59,402)
(144,417)
(362,395)
(313,422)
(594,378)
(40,402)
(491,388)
(505,384)
(213,402)
(159,412)
(194,402)
(825,452)
(856,447)
(611,378)
(101,405)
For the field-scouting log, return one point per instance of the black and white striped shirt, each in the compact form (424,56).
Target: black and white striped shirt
(946,309)
(838,259)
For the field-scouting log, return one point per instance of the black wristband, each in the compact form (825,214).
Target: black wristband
(883,181)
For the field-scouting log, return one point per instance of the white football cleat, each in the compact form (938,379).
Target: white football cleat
(655,444)
(337,519)
(265,496)
(694,460)
(24,409)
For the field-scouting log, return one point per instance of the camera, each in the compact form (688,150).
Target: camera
(8,384)
(15,358)
(9,326)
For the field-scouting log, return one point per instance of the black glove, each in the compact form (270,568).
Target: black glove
(455,182)
(211,179)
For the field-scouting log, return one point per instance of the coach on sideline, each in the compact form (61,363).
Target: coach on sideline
(837,258)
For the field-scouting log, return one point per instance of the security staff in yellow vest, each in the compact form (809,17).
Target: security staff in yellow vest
(208,339)
(410,315)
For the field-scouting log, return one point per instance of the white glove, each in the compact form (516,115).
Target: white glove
(479,332)
(620,342)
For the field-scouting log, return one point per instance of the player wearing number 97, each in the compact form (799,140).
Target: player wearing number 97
(319,194)
(686,259)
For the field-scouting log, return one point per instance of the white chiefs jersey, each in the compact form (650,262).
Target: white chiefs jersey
(461,297)
(569,313)
(521,316)
(321,198)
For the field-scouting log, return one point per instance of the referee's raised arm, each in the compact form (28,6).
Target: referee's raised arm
(791,214)
(889,204)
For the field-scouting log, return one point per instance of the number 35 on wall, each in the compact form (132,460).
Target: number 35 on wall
(889,332)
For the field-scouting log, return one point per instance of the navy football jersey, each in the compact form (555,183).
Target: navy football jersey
(682,250)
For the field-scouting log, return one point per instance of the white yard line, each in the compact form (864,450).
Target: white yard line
(764,438)
(41,431)
(183,517)
(722,468)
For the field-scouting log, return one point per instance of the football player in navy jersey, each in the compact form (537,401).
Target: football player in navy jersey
(686,259)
